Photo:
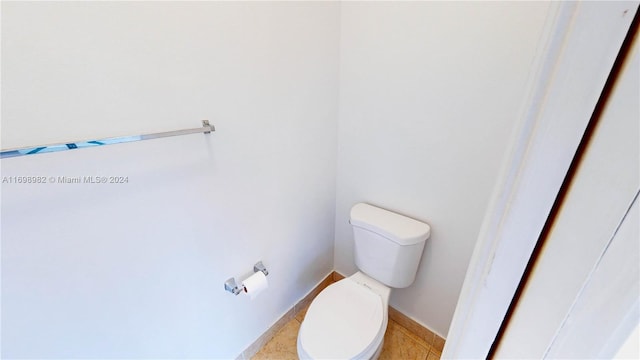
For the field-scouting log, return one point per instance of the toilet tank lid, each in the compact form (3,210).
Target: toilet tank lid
(395,227)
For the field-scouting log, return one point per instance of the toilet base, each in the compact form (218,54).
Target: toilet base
(376,355)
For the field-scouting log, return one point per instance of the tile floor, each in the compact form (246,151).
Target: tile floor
(399,344)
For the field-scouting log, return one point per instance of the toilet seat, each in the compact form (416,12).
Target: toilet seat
(346,320)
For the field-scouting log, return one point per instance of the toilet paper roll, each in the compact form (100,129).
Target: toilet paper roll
(255,284)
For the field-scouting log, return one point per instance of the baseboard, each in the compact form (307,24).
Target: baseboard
(427,335)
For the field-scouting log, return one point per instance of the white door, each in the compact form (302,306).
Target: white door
(577,51)
(582,296)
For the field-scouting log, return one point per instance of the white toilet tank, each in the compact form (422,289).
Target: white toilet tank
(388,246)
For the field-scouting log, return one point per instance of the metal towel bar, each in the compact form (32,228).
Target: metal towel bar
(40,149)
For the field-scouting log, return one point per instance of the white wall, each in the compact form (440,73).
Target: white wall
(419,113)
(137,270)
(429,93)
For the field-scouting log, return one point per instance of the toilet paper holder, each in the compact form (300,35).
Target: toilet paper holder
(231,286)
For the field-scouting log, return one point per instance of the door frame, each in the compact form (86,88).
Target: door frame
(579,45)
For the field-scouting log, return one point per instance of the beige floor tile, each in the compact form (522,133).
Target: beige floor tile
(300,315)
(413,335)
(421,332)
(434,355)
(399,345)
(438,343)
(283,345)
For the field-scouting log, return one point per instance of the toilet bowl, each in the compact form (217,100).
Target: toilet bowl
(347,320)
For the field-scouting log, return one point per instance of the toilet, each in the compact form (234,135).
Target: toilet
(348,319)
